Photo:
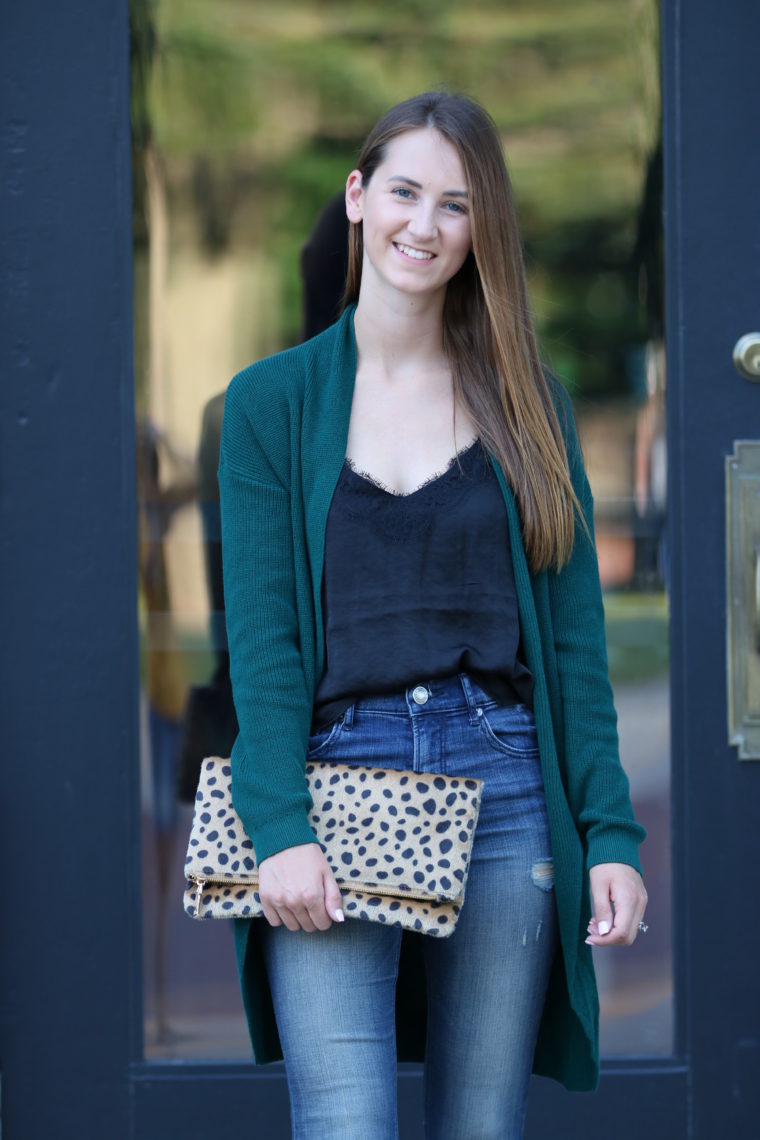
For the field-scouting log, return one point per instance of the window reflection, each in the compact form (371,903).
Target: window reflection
(636,990)
(160,497)
(245,123)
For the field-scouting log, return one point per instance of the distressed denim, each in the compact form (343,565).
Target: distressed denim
(333,991)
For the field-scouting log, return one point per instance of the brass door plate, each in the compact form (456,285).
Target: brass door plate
(743,596)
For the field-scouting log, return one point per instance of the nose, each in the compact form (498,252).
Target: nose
(422,223)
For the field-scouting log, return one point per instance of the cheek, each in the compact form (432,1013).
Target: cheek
(461,237)
(464,246)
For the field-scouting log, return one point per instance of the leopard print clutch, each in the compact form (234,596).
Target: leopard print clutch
(398,844)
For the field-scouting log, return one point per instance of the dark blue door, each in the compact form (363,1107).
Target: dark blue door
(71,986)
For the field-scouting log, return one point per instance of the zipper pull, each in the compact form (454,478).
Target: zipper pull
(199,885)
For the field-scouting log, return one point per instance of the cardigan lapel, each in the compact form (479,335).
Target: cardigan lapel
(327,412)
(530,632)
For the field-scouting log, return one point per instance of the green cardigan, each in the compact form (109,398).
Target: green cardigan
(283,446)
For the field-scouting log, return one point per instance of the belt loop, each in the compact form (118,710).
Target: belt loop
(469,696)
(348,717)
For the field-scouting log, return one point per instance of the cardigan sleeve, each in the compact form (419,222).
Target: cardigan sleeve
(268,783)
(597,786)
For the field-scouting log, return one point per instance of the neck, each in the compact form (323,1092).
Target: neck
(400,334)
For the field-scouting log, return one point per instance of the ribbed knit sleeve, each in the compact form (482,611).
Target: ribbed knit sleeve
(597,786)
(269,688)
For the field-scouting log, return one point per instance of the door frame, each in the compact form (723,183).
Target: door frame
(71,948)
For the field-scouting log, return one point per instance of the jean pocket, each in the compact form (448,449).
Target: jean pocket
(320,741)
(511,729)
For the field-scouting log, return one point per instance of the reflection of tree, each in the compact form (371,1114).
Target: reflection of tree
(150,219)
(648,252)
(142,49)
(257,111)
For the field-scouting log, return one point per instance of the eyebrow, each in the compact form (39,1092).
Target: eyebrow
(418,186)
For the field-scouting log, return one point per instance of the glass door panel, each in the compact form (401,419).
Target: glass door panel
(620,438)
(246,120)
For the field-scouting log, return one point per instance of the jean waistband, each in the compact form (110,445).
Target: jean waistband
(443,694)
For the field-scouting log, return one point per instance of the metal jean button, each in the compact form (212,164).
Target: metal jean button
(420,695)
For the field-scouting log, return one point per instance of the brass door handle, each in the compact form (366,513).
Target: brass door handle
(743,596)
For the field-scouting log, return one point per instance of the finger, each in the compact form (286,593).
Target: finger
(643,903)
(303,919)
(320,917)
(308,908)
(638,920)
(270,913)
(333,898)
(317,905)
(630,900)
(282,913)
(624,931)
(311,907)
(318,913)
(627,908)
(290,920)
(625,928)
(603,916)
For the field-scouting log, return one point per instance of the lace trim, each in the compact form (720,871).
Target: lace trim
(455,461)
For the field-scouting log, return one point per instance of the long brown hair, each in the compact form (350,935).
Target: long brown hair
(488,332)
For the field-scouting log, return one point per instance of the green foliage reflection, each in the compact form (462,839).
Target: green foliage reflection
(257,109)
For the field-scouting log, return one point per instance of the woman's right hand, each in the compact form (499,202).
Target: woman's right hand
(297,889)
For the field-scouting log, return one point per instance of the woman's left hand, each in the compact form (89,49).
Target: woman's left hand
(619,899)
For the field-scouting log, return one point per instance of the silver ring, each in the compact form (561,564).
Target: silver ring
(643,927)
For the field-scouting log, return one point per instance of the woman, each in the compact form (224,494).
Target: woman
(411,582)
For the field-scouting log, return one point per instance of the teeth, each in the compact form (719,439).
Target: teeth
(418,254)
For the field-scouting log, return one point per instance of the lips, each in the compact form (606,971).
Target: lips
(415,254)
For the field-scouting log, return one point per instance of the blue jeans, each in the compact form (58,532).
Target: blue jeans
(333,990)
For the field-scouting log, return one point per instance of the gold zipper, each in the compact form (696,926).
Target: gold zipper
(200,883)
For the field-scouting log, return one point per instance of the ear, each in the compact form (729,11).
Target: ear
(354,196)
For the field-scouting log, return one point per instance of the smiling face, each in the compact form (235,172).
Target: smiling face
(414,213)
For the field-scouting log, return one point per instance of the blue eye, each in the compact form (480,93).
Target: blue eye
(402,192)
(455,208)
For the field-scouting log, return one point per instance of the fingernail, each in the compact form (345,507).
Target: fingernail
(589,942)
(603,927)
(339,915)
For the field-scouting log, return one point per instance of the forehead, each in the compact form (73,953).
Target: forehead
(426,156)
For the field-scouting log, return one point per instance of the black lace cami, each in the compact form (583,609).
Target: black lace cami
(419,586)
